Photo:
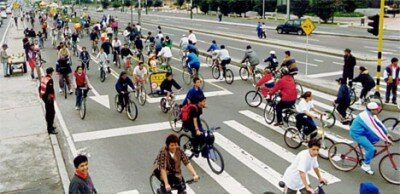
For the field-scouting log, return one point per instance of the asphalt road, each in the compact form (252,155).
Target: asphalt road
(122,152)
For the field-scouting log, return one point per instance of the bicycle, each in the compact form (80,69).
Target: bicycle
(289,114)
(117,60)
(393,125)
(175,119)
(346,157)
(82,108)
(102,72)
(208,150)
(85,63)
(163,66)
(95,46)
(187,77)
(171,102)
(75,49)
(294,138)
(244,73)
(229,77)
(317,190)
(141,93)
(253,98)
(156,185)
(139,55)
(368,98)
(330,119)
(130,106)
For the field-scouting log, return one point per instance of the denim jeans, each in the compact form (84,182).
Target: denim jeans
(79,94)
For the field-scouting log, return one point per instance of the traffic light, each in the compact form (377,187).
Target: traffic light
(374,24)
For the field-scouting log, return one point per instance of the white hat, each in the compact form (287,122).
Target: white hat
(272,52)
(373,106)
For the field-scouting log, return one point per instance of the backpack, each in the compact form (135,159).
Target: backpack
(185,110)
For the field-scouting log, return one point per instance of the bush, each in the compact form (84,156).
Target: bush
(179,3)
(204,6)
(349,6)
(299,7)
(324,9)
(105,4)
(344,14)
(270,6)
(158,3)
(116,4)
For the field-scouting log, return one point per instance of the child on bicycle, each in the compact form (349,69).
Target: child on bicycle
(296,175)
(79,81)
(84,56)
(166,86)
(266,83)
(367,130)
(304,118)
(128,65)
(152,63)
(140,74)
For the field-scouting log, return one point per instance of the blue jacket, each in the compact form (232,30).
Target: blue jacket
(369,126)
(193,60)
(343,96)
(84,56)
(122,85)
(213,47)
(193,95)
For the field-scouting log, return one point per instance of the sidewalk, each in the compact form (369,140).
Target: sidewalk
(27,160)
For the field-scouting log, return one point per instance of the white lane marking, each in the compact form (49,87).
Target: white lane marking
(310,39)
(386,49)
(318,60)
(212,80)
(65,130)
(337,63)
(273,147)
(137,129)
(310,64)
(5,33)
(224,28)
(182,96)
(129,192)
(201,41)
(325,74)
(265,171)
(225,180)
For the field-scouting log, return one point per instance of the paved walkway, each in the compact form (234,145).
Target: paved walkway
(27,160)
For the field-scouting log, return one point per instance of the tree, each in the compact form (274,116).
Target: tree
(270,6)
(150,3)
(324,9)
(180,2)
(105,4)
(158,3)
(349,6)
(240,6)
(127,3)
(116,3)
(299,7)
(204,6)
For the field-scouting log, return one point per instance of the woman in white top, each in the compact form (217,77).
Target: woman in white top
(103,59)
(296,175)
(306,112)
(166,54)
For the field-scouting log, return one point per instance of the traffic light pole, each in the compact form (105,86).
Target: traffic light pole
(380,48)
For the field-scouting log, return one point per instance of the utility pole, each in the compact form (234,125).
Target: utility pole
(191,9)
(288,9)
(146,7)
(122,6)
(131,12)
(263,10)
(380,45)
(139,12)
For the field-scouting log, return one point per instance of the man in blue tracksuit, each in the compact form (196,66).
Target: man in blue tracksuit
(214,46)
(367,130)
(195,93)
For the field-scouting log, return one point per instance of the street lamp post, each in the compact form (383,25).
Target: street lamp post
(191,9)
(146,7)
(131,12)
(139,11)
(263,10)
(288,9)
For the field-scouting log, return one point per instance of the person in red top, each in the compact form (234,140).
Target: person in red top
(46,92)
(81,83)
(266,82)
(288,93)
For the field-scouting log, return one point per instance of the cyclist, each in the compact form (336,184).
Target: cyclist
(192,37)
(194,93)
(152,63)
(193,123)
(343,100)
(213,47)
(139,47)
(224,57)
(367,130)
(116,44)
(266,83)
(305,114)
(192,61)
(165,54)
(150,43)
(288,93)
(64,70)
(107,47)
(168,42)
(296,175)
(63,52)
(140,74)
(125,52)
(85,58)
(158,44)
(94,37)
(75,39)
(167,166)
(103,59)
(122,88)
(251,57)
(160,35)
(192,48)
(290,63)
(80,80)
(272,60)
(366,80)
(166,87)
(183,43)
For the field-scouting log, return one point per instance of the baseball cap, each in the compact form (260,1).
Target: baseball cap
(373,106)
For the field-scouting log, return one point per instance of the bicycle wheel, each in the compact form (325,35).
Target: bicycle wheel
(163,103)
(292,137)
(186,144)
(142,96)
(186,76)
(392,124)
(175,120)
(229,77)
(82,110)
(329,120)
(117,105)
(215,160)
(132,111)
(253,98)
(353,96)
(118,61)
(215,72)
(299,89)
(343,156)
(291,119)
(102,74)
(389,168)
(154,183)
(326,143)
(269,113)
(244,73)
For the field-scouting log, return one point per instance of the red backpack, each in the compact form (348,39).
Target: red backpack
(185,110)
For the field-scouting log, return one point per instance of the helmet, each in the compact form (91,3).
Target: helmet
(285,70)
(272,52)
(373,106)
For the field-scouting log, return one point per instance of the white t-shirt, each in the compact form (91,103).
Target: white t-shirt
(165,52)
(222,54)
(109,30)
(160,36)
(304,106)
(116,43)
(192,38)
(303,162)
(140,73)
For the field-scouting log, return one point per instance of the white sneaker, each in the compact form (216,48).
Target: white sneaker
(60,90)
(76,108)
(221,77)
(167,105)
(367,168)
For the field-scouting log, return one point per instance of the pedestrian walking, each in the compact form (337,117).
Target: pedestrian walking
(259,30)
(46,92)
(220,17)
(348,67)
(81,183)
(391,77)
(4,60)
(264,30)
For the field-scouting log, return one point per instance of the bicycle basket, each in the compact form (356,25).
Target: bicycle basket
(209,138)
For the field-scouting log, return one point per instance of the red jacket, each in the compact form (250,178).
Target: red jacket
(264,79)
(287,88)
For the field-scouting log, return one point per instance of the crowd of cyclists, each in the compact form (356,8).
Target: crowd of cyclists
(275,80)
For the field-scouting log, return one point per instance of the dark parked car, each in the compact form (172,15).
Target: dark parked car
(291,26)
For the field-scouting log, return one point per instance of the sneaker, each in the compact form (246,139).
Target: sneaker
(367,168)
(167,105)
(76,108)
(278,124)
(70,92)
(221,77)
(386,101)
(395,103)
(60,90)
